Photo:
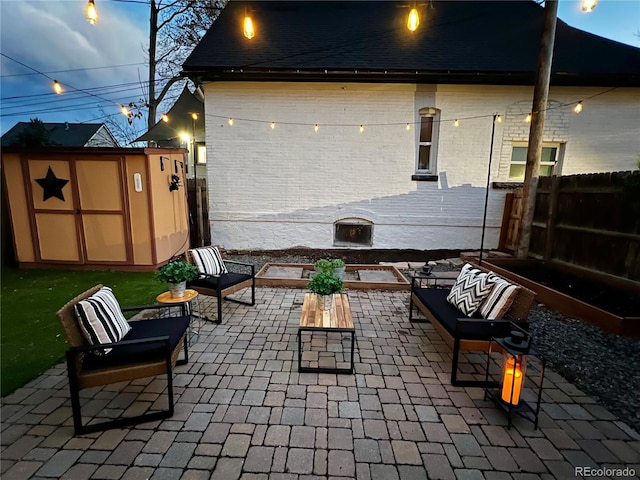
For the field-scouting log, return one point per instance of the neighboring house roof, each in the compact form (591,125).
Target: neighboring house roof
(180,120)
(67,134)
(479,42)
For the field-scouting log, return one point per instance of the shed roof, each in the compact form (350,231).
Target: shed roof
(62,134)
(457,42)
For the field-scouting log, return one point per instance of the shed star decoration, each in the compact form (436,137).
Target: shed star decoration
(52,185)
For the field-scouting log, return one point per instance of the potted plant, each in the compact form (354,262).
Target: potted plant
(335,266)
(323,265)
(325,284)
(338,268)
(177,274)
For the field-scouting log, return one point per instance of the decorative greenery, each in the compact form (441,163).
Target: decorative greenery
(176,272)
(325,283)
(337,263)
(329,266)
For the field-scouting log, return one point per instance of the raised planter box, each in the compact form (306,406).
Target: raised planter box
(381,277)
(621,324)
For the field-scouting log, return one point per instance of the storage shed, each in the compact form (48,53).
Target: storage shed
(115,208)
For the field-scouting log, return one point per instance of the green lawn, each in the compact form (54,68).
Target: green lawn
(32,339)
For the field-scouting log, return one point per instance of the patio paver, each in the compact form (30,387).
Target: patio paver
(243,411)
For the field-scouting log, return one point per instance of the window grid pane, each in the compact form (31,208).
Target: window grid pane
(426,129)
(423,159)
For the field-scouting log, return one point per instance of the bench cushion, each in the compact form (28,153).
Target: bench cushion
(173,327)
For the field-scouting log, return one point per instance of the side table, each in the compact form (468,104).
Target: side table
(186,308)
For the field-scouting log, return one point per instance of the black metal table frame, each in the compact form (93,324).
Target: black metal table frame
(302,369)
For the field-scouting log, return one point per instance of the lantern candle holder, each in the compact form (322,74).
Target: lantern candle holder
(512,381)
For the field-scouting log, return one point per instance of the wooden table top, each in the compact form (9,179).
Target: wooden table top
(338,317)
(166,297)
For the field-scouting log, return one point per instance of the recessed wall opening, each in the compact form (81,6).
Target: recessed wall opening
(351,232)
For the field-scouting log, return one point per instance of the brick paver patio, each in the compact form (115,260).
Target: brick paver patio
(243,411)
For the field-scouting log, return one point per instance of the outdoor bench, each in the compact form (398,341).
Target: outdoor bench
(461,332)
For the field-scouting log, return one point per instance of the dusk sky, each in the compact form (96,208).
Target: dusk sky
(54,38)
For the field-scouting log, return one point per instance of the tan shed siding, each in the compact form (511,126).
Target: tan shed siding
(139,211)
(17,198)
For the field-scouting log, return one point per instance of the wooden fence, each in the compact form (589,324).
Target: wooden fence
(198,212)
(592,221)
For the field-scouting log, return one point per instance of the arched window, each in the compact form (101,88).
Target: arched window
(352,232)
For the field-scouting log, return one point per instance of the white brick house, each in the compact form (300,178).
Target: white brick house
(291,185)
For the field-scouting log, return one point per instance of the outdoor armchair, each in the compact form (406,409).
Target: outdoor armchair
(220,278)
(150,347)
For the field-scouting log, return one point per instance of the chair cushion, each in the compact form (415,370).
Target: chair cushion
(225,280)
(499,300)
(471,288)
(101,320)
(173,327)
(208,260)
(435,299)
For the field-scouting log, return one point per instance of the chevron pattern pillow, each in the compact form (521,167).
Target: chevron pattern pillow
(208,261)
(471,288)
(101,320)
(499,300)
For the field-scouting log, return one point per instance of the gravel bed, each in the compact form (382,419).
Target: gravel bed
(603,365)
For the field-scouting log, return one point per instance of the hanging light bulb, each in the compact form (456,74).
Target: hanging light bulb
(194,116)
(528,119)
(578,107)
(589,5)
(413,20)
(92,13)
(124,110)
(273,125)
(498,118)
(408,126)
(361,128)
(456,123)
(165,117)
(249,32)
(57,87)
(316,127)
(231,121)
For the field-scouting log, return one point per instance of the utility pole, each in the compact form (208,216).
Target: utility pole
(534,151)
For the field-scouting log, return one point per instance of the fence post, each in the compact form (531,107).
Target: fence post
(506,219)
(551,217)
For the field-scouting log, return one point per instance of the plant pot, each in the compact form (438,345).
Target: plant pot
(339,272)
(325,302)
(177,289)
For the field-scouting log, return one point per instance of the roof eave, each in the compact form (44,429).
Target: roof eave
(385,76)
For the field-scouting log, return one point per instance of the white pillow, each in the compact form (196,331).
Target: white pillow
(499,300)
(471,288)
(100,318)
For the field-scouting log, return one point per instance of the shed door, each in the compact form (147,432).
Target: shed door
(86,225)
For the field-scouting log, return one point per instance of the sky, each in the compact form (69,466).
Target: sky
(103,66)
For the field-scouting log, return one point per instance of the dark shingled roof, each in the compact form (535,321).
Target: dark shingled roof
(457,42)
(60,134)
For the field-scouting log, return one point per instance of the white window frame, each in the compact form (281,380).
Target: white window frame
(433,113)
(555,163)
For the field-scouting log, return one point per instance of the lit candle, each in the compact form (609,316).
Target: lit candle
(512,380)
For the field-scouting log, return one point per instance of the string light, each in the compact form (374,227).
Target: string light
(316,127)
(408,126)
(498,118)
(456,123)
(578,107)
(361,128)
(230,121)
(528,119)
(194,116)
(589,5)
(413,20)
(273,125)
(92,13)
(249,31)
(124,110)
(165,117)
(57,87)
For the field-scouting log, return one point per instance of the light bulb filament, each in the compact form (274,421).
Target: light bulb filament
(92,13)
(249,32)
(413,21)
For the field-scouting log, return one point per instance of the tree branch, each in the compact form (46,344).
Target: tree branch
(166,88)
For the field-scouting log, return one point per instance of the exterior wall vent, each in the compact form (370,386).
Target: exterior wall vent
(352,232)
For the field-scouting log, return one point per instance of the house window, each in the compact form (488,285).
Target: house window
(202,153)
(427,145)
(548,160)
(352,232)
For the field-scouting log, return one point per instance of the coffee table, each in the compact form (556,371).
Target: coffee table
(314,319)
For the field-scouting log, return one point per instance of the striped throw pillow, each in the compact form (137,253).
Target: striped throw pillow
(471,288)
(101,320)
(208,261)
(499,300)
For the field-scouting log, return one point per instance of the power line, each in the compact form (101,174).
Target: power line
(72,70)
